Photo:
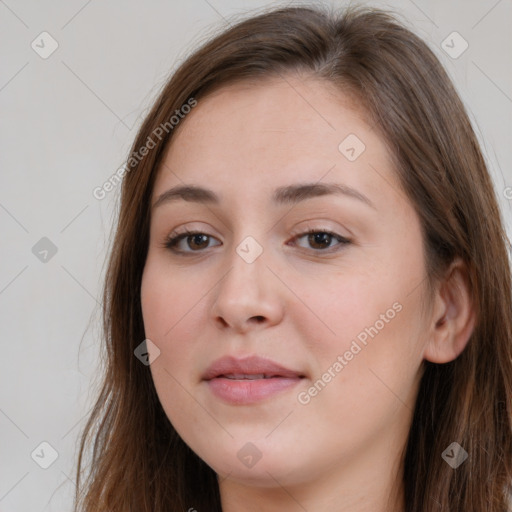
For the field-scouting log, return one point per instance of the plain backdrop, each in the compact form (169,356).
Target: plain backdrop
(67,123)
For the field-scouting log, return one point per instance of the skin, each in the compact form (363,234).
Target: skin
(294,304)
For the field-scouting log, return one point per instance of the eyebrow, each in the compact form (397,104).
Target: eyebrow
(290,194)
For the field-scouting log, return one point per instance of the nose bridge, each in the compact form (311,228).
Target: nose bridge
(248,289)
(246,274)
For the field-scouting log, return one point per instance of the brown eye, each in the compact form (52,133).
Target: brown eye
(320,240)
(195,242)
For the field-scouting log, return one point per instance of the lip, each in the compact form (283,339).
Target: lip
(249,380)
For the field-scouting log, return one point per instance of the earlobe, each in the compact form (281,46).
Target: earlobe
(453,316)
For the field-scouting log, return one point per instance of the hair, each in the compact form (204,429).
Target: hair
(138,462)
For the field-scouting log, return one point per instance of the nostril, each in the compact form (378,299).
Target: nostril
(223,322)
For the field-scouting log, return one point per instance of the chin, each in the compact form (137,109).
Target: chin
(246,466)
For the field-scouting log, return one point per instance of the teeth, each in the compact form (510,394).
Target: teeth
(243,376)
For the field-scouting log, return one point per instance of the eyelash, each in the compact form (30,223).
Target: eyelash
(172,240)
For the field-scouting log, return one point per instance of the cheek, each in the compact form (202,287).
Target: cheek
(364,379)
(169,307)
(368,370)
(168,299)
(338,309)
(370,316)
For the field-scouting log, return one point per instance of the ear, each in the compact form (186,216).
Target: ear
(453,316)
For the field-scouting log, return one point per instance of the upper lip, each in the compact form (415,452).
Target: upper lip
(252,365)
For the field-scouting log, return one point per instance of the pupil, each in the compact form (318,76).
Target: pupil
(320,238)
(195,238)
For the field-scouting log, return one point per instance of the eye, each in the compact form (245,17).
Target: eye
(196,240)
(320,240)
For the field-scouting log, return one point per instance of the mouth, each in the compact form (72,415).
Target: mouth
(249,380)
(247,376)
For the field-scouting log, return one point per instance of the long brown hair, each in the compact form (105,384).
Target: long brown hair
(137,462)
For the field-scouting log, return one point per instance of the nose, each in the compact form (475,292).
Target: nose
(248,297)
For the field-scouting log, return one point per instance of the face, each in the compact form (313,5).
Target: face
(282,354)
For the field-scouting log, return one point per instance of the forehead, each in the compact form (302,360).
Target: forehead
(256,136)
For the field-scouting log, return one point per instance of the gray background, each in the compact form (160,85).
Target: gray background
(67,125)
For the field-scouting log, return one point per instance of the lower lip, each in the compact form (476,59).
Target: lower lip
(248,391)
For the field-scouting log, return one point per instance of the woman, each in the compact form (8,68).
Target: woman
(308,304)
